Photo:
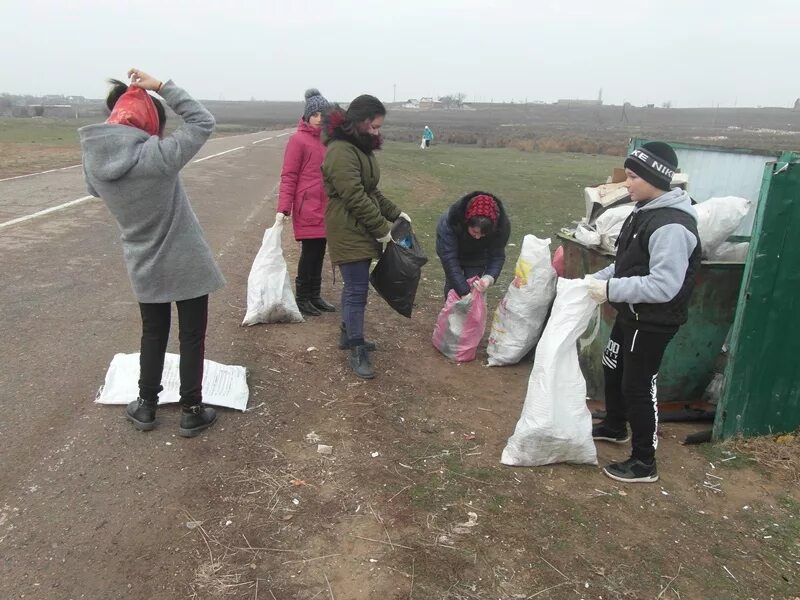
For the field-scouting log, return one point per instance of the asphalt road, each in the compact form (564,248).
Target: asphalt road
(81,503)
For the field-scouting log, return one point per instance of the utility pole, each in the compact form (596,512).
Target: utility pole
(394,95)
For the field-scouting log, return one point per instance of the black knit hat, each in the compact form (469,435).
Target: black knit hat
(655,162)
(315,103)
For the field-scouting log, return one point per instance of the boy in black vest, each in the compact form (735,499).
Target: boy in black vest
(658,254)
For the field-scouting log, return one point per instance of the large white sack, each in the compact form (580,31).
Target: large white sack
(730,252)
(585,234)
(519,319)
(718,219)
(609,224)
(223,385)
(269,288)
(556,425)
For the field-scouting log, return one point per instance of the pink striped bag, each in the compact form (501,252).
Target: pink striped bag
(460,325)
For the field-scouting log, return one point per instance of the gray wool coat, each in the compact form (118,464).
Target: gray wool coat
(138,177)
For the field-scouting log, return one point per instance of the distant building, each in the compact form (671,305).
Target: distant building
(797,104)
(411,103)
(429,103)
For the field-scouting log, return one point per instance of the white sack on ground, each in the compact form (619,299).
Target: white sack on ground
(556,425)
(269,289)
(718,219)
(223,385)
(519,319)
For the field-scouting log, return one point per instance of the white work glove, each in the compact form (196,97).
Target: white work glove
(483,283)
(385,239)
(404,216)
(598,289)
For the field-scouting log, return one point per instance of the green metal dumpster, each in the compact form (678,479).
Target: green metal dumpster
(690,360)
(761,392)
(688,364)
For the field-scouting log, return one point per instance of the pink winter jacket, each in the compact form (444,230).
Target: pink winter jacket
(302,194)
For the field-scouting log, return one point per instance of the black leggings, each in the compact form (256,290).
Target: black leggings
(192,322)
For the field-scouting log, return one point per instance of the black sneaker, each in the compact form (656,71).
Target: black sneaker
(196,419)
(142,413)
(344,343)
(632,470)
(601,432)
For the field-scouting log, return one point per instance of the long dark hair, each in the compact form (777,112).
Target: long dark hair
(343,124)
(118,88)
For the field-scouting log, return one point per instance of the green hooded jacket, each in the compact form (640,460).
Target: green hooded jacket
(358,214)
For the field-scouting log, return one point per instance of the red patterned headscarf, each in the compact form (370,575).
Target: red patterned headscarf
(135,108)
(482,206)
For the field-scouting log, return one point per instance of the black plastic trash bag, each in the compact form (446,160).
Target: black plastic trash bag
(396,276)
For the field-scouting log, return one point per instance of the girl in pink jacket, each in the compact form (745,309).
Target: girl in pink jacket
(303,198)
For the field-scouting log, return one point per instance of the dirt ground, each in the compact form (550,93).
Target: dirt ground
(411,503)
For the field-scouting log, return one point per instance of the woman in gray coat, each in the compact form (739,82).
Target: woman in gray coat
(136,171)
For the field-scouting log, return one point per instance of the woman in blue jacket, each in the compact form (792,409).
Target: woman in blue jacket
(471,240)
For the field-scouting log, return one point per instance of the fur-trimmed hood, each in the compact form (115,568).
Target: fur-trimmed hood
(335,128)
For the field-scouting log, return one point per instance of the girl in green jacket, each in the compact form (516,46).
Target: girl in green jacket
(358,215)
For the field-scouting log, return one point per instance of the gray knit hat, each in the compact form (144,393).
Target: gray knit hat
(315,103)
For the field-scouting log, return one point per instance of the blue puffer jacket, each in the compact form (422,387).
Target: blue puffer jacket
(457,249)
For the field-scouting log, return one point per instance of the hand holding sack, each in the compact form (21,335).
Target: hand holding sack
(598,289)
(483,283)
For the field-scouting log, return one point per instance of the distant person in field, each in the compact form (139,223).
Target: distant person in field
(135,169)
(303,198)
(471,240)
(358,216)
(649,284)
(427,137)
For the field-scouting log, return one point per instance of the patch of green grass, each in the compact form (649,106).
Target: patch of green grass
(64,132)
(448,480)
(497,504)
(791,505)
(788,530)
(44,131)
(723,458)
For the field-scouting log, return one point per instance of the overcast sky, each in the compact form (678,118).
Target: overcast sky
(693,53)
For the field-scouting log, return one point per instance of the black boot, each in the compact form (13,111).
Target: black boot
(316,297)
(142,413)
(303,295)
(344,343)
(360,362)
(196,419)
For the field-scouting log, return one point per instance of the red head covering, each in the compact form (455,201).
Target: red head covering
(482,206)
(135,108)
